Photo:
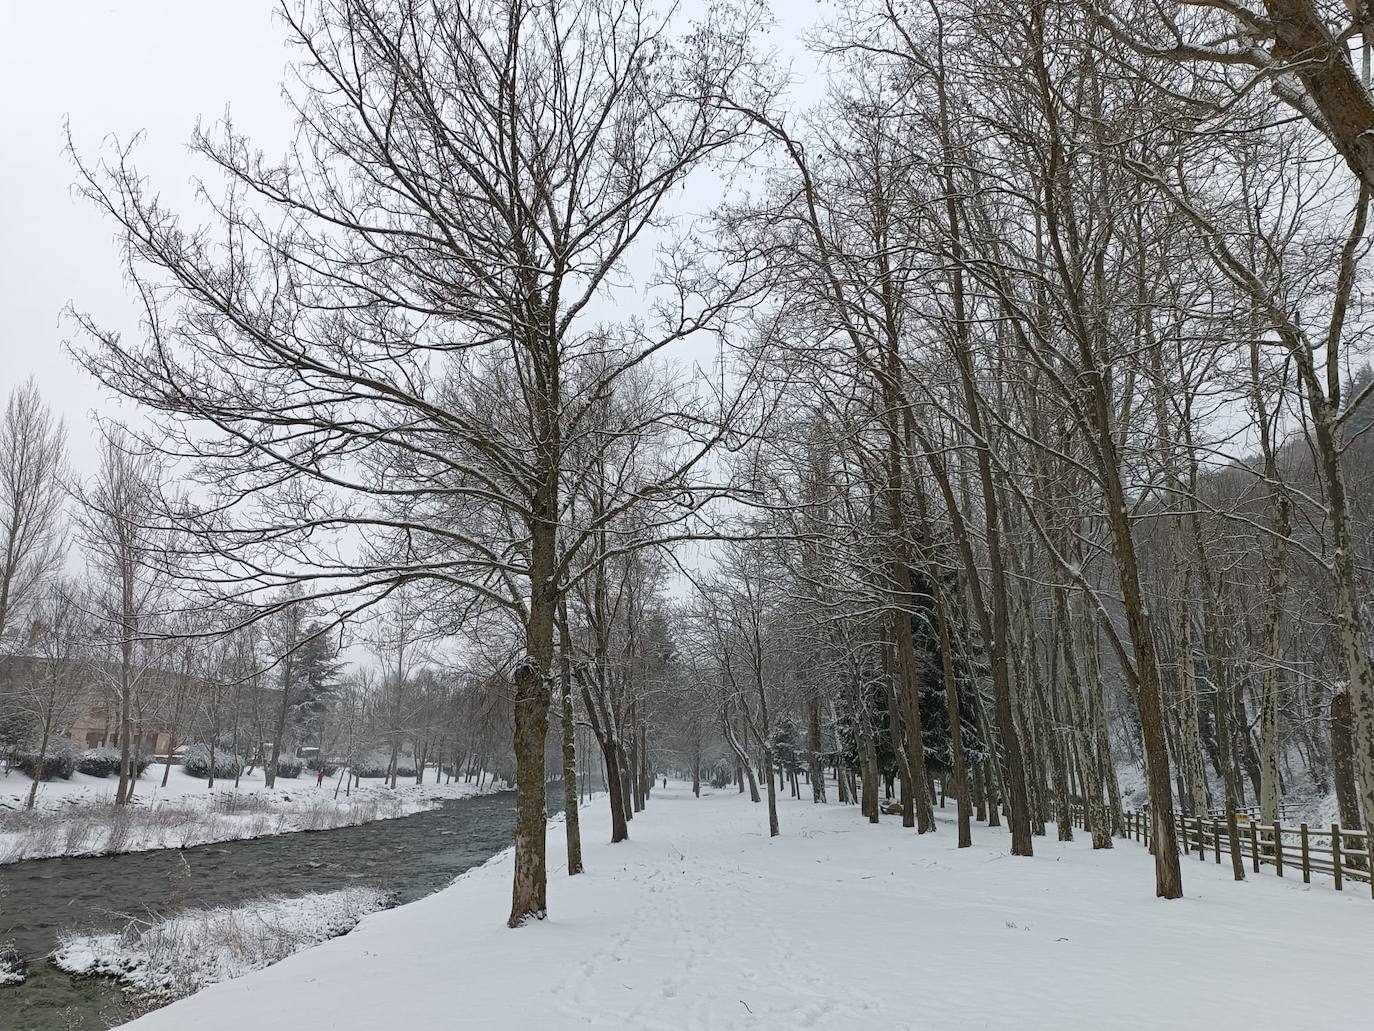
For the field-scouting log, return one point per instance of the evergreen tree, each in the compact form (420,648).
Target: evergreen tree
(320,670)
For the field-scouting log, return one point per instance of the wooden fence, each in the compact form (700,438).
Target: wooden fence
(1286,810)
(1342,855)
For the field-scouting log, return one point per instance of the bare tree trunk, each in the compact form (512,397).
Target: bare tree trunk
(615,789)
(1343,761)
(529,899)
(772,794)
(1190,738)
(167,766)
(1276,589)
(813,746)
(279,729)
(125,789)
(1091,768)
(570,811)
(38,767)
(956,724)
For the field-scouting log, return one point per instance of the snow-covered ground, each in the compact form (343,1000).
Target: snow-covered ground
(58,793)
(75,817)
(702,922)
(198,947)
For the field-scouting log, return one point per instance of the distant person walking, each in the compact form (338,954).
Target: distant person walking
(319,777)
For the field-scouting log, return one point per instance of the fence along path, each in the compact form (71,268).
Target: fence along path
(1342,855)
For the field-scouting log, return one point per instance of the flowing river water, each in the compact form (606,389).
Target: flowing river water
(410,857)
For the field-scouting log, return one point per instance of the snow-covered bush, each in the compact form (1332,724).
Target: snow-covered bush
(17,728)
(373,764)
(196,762)
(318,762)
(289,766)
(378,764)
(59,760)
(98,762)
(104,762)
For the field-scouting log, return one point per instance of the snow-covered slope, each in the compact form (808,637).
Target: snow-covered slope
(76,817)
(702,922)
(149,789)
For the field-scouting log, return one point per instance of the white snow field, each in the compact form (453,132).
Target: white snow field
(75,817)
(702,922)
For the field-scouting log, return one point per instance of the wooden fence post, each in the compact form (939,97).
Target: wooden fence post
(1369,857)
(1201,841)
(1254,846)
(1306,867)
(1336,854)
(1278,849)
(1216,840)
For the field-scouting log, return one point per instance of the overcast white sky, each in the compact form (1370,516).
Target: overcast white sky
(119,68)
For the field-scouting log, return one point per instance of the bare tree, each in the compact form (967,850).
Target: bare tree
(33,447)
(57,687)
(125,549)
(402,317)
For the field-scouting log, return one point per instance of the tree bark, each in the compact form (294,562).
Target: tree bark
(571,821)
(529,899)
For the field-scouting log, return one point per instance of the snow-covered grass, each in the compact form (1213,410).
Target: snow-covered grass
(701,921)
(169,958)
(76,817)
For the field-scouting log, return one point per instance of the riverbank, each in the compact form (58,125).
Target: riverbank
(165,958)
(46,901)
(701,921)
(76,817)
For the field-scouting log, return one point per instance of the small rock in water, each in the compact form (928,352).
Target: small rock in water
(13,967)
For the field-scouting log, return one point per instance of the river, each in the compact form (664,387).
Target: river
(411,857)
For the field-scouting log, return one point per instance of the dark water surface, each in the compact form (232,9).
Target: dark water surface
(411,857)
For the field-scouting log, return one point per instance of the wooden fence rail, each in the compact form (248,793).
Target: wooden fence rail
(1342,855)
(1286,810)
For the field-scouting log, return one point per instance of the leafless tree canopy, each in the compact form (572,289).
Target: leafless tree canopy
(995,428)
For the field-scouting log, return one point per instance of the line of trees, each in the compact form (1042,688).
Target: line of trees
(999,424)
(104,637)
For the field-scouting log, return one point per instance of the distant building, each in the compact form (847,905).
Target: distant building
(96,724)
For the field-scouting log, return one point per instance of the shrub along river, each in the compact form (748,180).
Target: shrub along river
(410,857)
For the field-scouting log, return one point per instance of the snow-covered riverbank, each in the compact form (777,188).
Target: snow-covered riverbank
(198,947)
(701,921)
(76,818)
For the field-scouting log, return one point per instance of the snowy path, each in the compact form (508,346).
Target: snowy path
(701,922)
